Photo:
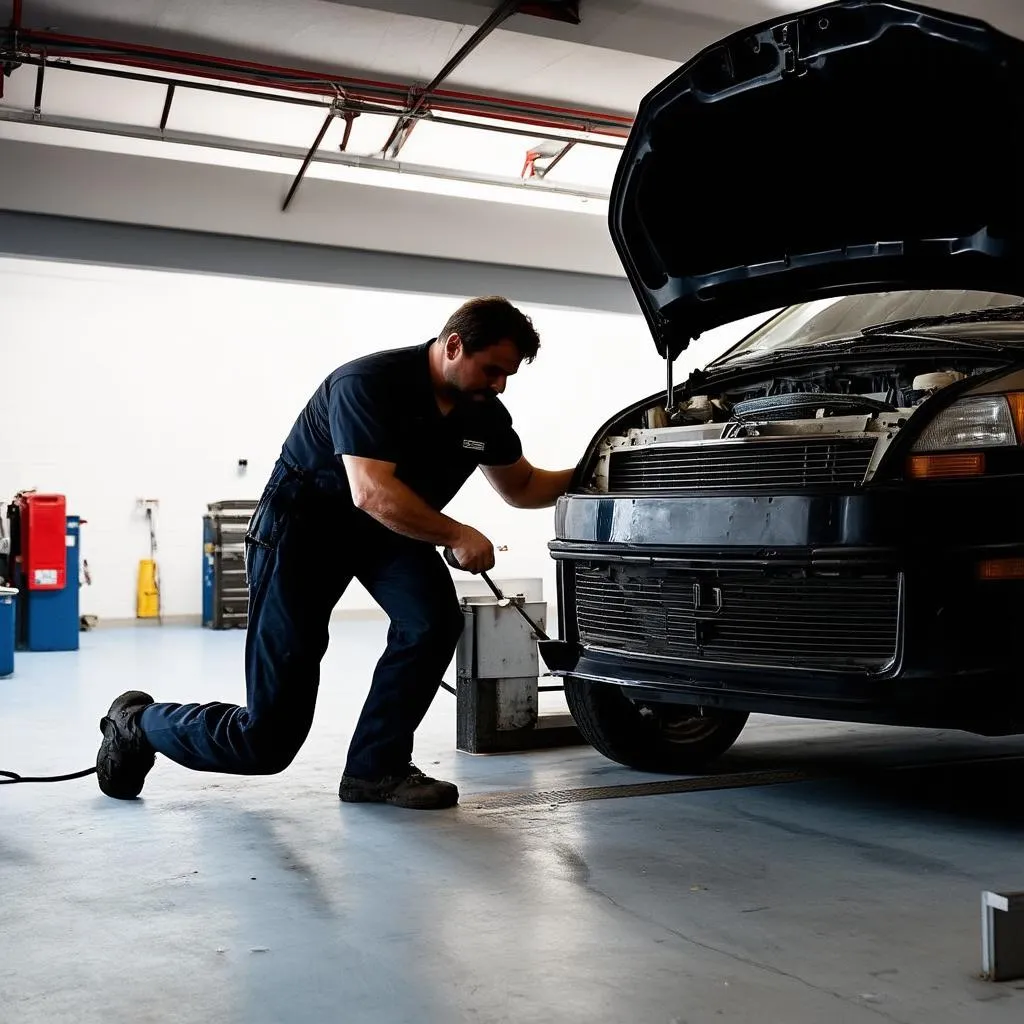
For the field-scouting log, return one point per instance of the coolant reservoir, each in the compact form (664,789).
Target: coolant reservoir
(936,381)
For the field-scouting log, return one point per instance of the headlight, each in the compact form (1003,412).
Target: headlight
(980,421)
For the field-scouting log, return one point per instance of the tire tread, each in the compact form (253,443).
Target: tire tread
(612,726)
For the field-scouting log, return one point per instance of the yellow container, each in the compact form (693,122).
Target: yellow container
(148,591)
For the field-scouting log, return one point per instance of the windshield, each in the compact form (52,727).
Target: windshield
(824,320)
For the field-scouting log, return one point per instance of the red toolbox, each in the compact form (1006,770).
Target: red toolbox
(44,541)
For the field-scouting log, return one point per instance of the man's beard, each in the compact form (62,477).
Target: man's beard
(470,396)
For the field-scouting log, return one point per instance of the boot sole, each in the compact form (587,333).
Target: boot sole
(356,797)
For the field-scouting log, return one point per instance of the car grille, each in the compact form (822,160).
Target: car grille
(739,618)
(762,465)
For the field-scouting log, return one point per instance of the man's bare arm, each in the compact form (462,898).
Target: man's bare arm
(377,491)
(525,486)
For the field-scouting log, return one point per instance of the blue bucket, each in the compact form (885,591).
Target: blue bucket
(7,596)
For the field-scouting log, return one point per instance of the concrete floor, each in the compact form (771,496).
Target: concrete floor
(250,901)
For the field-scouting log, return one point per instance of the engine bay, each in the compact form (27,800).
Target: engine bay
(868,401)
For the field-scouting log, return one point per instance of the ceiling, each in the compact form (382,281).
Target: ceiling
(599,69)
(620,49)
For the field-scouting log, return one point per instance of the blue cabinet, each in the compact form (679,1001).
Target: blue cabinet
(49,620)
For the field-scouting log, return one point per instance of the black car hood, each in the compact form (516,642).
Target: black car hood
(858,146)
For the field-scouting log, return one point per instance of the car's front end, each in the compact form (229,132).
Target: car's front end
(827,521)
(861,564)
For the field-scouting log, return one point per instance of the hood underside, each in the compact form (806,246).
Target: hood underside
(860,146)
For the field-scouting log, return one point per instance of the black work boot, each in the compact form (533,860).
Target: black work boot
(125,755)
(411,789)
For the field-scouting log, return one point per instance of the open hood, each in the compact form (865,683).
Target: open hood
(859,146)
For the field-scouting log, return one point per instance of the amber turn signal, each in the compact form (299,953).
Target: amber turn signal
(935,467)
(1001,569)
(1016,401)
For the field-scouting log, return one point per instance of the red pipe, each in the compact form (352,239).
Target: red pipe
(16,15)
(362,89)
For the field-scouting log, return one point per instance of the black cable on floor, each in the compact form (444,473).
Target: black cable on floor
(10,778)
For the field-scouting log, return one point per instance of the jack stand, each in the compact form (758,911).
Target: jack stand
(497,684)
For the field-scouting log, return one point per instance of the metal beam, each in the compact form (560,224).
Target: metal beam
(404,125)
(167,106)
(399,137)
(40,72)
(309,157)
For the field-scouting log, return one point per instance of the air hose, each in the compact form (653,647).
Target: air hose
(10,778)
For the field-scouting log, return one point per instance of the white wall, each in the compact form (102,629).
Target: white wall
(120,384)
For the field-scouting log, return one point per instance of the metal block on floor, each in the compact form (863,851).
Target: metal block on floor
(498,686)
(1002,936)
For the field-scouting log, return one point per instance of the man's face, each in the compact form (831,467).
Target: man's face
(482,375)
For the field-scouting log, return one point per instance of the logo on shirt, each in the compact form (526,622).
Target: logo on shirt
(476,446)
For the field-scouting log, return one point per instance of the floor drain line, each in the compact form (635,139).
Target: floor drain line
(551,798)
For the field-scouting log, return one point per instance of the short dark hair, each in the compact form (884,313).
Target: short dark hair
(487,320)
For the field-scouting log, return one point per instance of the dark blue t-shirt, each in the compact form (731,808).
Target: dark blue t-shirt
(382,406)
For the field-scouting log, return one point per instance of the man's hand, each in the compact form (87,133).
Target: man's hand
(473,551)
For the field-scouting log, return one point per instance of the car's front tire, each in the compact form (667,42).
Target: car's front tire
(666,738)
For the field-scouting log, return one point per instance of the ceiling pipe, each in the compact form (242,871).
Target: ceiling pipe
(307,100)
(238,72)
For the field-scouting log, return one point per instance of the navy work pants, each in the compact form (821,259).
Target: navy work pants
(305,545)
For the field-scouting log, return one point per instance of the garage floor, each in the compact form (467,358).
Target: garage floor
(854,897)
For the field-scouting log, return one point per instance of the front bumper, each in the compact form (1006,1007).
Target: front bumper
(955,655)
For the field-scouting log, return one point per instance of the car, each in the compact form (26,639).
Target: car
(826,521)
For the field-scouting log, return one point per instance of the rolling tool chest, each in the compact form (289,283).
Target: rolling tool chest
(225,592)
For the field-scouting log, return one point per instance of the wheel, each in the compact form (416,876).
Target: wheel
(666,738)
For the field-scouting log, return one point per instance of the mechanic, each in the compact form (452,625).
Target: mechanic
(383,445)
